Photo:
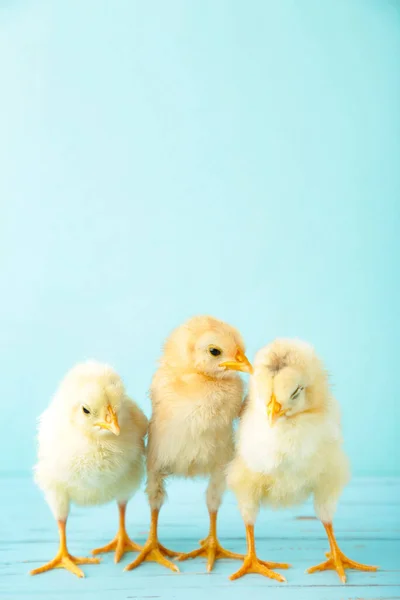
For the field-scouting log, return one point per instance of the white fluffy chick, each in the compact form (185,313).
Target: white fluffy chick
(91,451)
(290,446)
(196,394)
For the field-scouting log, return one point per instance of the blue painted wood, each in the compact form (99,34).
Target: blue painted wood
(367,526)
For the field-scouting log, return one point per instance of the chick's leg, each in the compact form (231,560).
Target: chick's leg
(242,482)
(210,547)
(63,559)
(122,542)
(153,551)
(337,560)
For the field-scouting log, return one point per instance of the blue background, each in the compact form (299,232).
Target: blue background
(162,159)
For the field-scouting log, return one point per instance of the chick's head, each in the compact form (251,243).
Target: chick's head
(289,380)
(208,346)
(97,411)
(92,393)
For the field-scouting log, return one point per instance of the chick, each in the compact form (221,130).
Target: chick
(91,450)
(196,394)
(290,446)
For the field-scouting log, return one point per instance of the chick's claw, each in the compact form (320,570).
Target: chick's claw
(120,544)
(154,552)
(211,549)
(68,562)
(253,565)
(339,562)
(352,564)
(274,565)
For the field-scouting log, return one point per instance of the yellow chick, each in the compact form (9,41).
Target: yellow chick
(91,451)
(290,446)
(196,394)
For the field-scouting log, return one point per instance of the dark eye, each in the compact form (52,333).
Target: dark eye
(215,351)
(85,410)
(296,392)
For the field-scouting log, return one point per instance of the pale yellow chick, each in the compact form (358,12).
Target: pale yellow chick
(196,394)
(289,447)
(91,451)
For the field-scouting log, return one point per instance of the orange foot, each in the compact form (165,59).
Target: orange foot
(210,547)
(63,559)
(68,562)
(252,564)
(153,551)
(121,544)
(212,550)
(338,561)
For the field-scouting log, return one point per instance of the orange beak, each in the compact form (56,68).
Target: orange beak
(241,363)
(110,422)
(274,410)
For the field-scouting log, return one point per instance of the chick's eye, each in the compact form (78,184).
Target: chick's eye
(85,410)
(215,351)
(296,392)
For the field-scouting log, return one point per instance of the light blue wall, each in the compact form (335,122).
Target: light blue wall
(161,159)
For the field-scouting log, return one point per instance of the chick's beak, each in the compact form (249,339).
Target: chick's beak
(274,410)
(241,363)
(110,422)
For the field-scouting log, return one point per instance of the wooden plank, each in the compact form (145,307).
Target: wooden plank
(367,524)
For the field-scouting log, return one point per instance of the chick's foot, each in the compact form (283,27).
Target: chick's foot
(338,561)
(121,544)
(68,562)
(63,559)
(153,551)
(252,564)
(211,549)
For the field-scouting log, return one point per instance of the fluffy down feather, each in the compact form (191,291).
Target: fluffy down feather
(281,464)
(196,394)
(78,462)
(290,447)
(91,451)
